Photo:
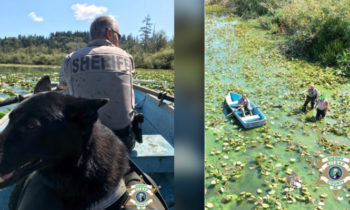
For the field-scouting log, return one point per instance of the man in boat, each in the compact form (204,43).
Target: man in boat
(244,104)
(312,94)
(103,70)
(322,107)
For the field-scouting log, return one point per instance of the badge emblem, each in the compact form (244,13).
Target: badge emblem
(140,195)
(334,171)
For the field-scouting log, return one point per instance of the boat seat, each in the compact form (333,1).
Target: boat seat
(234,103)
(154,154)
(250,118)
(240,112)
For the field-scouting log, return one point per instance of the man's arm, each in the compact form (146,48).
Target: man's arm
(62,83)
(240,102)
(326,106)
(301,93)
(316,104)
(133,68)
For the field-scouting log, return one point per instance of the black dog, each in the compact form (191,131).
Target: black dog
(61,138)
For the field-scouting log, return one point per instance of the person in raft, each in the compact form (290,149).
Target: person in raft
(244,104)
(312,94)
(322,107)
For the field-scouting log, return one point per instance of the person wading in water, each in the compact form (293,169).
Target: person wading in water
(322,107)
(312,94)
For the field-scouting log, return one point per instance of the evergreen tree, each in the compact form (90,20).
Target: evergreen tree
(146,32)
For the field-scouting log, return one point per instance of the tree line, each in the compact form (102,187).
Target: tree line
(152,50)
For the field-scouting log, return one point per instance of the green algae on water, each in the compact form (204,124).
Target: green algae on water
(272,166)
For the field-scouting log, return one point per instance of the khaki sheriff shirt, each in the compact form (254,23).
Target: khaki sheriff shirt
(102,70)
(312,92)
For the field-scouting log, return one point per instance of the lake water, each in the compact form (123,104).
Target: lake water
(16,80)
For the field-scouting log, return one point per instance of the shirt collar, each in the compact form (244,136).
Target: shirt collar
(100,42)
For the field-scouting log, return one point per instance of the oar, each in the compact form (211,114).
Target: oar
(219,121)
(18,98)
(15,99)
(159,95)
(274,106)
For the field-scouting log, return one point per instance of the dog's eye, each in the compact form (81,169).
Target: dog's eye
(32,123)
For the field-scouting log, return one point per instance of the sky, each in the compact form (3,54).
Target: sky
(41,17)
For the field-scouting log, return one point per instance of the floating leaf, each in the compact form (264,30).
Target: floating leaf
(209,205)
(324,195)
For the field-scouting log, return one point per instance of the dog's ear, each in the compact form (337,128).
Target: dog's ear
(84,111)
(44,84)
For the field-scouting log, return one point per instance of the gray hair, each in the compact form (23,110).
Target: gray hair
(99,25)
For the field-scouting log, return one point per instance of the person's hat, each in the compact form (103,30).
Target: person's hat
(322,97)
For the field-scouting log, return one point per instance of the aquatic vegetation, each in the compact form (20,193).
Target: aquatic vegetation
(271,166)
(160,80)
(315,30)
(16,80)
